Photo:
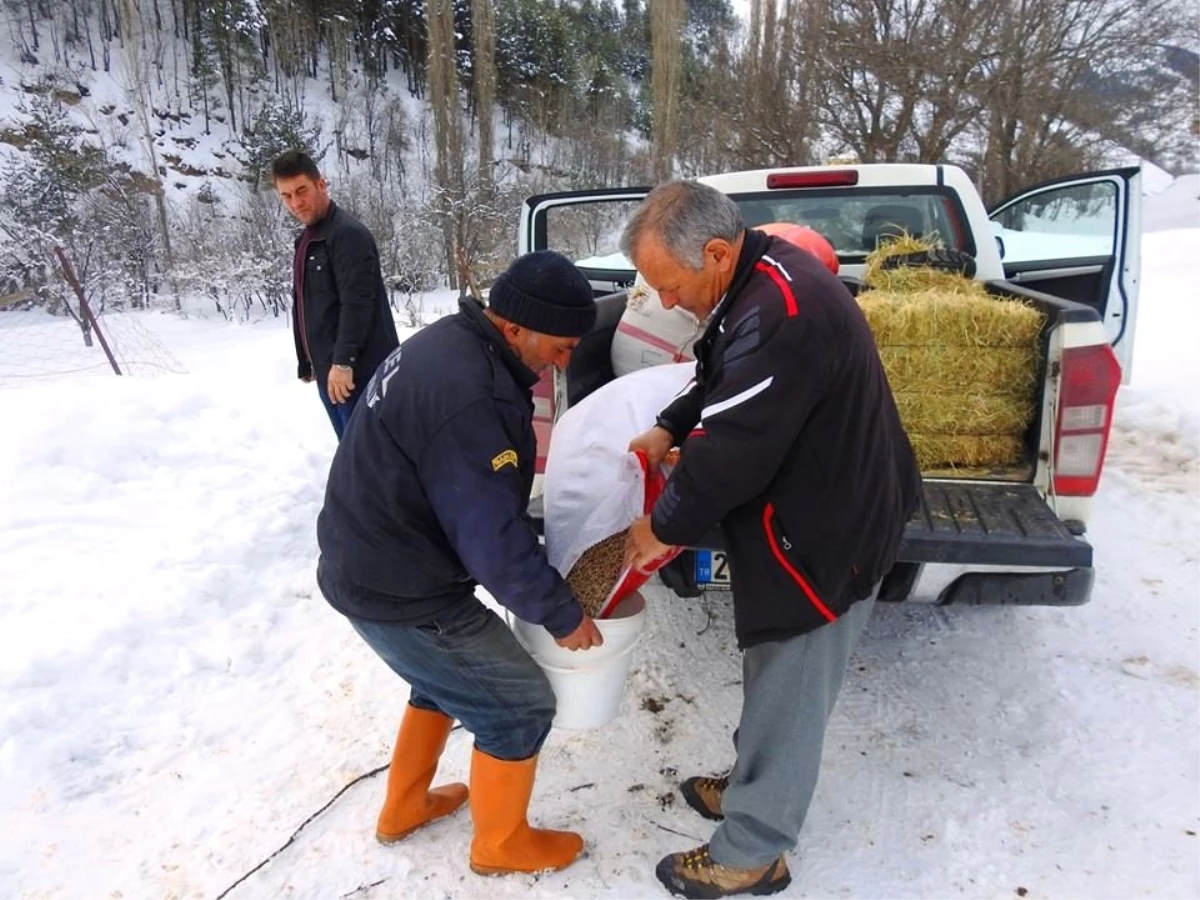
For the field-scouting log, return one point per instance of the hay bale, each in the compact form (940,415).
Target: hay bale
(962,363)
(933,366)
(913,278)
(888,247)
(962,413)
(930,317)
(936,451)
(595,574)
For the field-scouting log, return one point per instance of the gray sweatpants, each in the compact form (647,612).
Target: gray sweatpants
(788,690)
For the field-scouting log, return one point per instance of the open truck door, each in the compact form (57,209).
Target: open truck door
(1079,238)
(584,226)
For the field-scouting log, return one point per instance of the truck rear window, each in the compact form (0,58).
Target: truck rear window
(854,220)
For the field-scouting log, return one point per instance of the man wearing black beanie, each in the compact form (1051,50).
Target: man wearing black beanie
(427,498)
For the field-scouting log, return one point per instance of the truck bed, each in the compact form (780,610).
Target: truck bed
(971,523)
(966,517)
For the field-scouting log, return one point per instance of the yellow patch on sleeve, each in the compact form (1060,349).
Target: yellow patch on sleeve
(507,458)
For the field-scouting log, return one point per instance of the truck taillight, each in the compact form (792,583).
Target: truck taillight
(1090,378)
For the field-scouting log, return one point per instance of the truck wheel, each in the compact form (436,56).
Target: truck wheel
(944,259)
(680,575)
(899,582)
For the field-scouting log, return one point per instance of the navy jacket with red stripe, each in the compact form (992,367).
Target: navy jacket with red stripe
(792,442)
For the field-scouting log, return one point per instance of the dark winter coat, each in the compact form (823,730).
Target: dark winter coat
(791,440)
(429,487)
(344,316)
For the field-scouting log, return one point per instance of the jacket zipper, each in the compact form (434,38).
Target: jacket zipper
(300,303)
(768,515)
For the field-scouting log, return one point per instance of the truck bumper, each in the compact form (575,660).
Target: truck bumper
(1068,587)
(944,585)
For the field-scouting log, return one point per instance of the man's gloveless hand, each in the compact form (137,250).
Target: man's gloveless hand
(341,384)
(655,443)
(585,636)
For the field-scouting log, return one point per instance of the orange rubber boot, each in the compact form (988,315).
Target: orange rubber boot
(504,842)
(410,803)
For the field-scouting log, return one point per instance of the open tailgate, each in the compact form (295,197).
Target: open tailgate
(973,523)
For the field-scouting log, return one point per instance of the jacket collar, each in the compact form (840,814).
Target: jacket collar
(471,311)
(320,230)
(754,245)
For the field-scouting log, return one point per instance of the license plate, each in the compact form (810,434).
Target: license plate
(712,569)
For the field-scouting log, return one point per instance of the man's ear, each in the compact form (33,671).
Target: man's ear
(721,252)
(514,334)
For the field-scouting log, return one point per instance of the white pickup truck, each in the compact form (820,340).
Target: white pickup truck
(1004,535)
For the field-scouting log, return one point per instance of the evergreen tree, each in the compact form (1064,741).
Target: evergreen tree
(276,128)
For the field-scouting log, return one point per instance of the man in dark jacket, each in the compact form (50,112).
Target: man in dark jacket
(427,497)
(341,322)
(791,442)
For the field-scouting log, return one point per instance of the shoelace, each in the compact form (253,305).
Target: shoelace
(698,858)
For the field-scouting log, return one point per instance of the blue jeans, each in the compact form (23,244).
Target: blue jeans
(467,664)
(339,413)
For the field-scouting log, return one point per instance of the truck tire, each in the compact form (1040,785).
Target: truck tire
(680,575)
(944,259)
(898,584)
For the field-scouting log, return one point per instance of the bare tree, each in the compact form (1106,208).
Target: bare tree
(447,128)
(755,105)
(905,78)
(778,125)
(136,75)
(483,15)
(871,65)
(952,89)
(1046,111)
(666,25)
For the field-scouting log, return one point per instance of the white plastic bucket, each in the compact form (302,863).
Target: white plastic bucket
(588,684)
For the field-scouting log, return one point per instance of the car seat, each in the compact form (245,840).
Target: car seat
(890,220)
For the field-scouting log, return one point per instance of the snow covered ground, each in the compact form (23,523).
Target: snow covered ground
(176,698)
(1175,205)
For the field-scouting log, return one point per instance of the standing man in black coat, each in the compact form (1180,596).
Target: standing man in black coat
(427,498)
(790,441)
(341,321)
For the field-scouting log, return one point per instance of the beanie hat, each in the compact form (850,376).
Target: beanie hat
(544,292)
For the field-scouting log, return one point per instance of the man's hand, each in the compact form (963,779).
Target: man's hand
(585,636)
(655,443)
(642,547)
(307,379)
(341,384)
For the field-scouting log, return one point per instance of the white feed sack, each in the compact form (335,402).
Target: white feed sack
(594,487)
(649,335)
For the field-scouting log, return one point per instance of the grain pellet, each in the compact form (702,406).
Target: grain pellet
(594,576)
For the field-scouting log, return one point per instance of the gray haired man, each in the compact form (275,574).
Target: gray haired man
(790,442)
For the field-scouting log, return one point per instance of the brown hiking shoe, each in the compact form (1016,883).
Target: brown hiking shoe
(694,875)
(704,795)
